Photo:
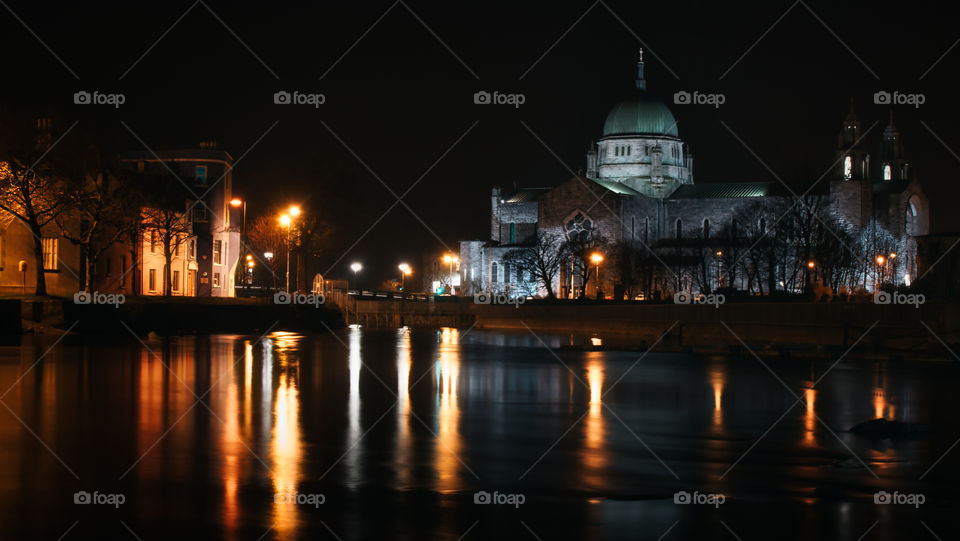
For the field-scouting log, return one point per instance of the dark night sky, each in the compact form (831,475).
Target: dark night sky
(399,98)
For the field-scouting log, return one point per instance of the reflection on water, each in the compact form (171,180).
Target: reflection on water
(594,452)
(448,443)
(285,449)
(717,381)
(269,423)
(354,443)
(403,440)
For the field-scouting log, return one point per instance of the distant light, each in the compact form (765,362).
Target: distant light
(811,264)
(250,264)
(596,342)
(893,255)
(268,255)
(596,258)
(356,267)
(285,220)
(294,211)
(404,268)
(249,257)
(880,260)
(235,202)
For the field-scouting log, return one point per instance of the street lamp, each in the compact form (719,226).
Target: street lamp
(596,259)
(237,202)
(356,267)
(450,259)
(285,222)
(294,211)
(404,271)
(269,257)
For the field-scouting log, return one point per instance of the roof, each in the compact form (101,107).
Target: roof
(615,187)
(723,190)
(640,114)
(525,195)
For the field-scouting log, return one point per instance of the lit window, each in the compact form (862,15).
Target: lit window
(494,273)
(200,174)
(50,253)
(192,248)
(847,167)
(217,249)
(216,279)
(887,172)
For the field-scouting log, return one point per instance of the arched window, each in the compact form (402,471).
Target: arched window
(847,167)
(494,273)
(911,222)
(887,172)
(679,228)
(706,228)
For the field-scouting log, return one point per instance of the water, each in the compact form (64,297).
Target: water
(395,431)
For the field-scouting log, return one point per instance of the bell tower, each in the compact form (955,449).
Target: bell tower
(852,156)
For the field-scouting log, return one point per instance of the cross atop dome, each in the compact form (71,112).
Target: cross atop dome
(641,82)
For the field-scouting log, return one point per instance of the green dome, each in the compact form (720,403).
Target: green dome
(640,115)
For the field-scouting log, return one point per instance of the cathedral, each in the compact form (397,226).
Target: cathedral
(638,201)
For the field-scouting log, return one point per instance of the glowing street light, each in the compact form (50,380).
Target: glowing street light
(285,220)
(294,211)
(404,271)
(811,264)
(356,267)
(880,260)
(450,259)
(596,258)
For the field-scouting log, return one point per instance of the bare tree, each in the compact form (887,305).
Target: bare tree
(171,228)
(93,221)
(542,260)
(265,235)
(32,189)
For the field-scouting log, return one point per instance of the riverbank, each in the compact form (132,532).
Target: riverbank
(179,315)
(782,329)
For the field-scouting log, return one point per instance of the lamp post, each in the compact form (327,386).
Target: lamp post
(596,258)
(237,202)
(285,222)
(356,267)
(880,262)
(450,259)
(269,257)
(404,271)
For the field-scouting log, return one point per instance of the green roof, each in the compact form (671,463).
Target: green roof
(722,190)
(615,187)
(640,114)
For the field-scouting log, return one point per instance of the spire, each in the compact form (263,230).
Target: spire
(891,116)
(641,82)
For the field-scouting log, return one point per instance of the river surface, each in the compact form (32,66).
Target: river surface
(398,434)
